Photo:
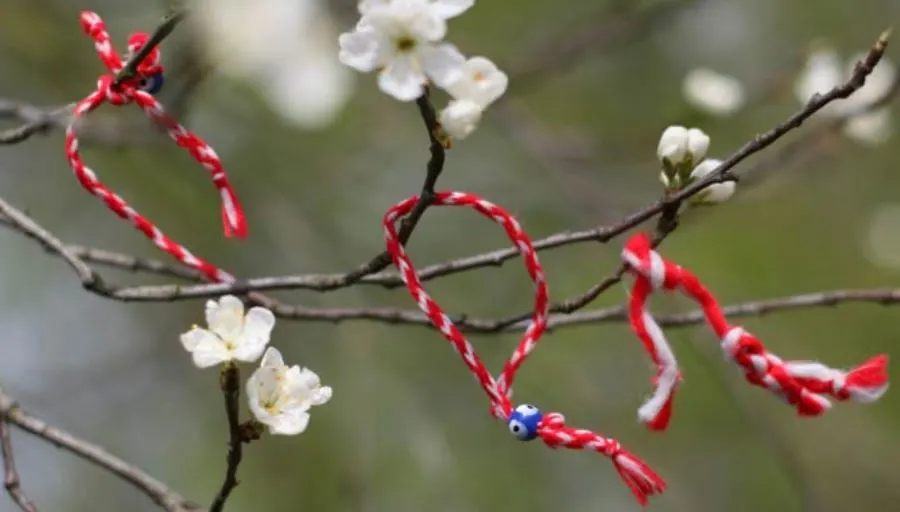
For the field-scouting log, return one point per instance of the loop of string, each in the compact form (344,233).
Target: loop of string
(525,421)
(129,91)
(802,384)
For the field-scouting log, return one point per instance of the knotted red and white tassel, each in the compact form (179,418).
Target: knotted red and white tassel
(650,272)
(637,475)
(805,385)
(131,91)
(525,421)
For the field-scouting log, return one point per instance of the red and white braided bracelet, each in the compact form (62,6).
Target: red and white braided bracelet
(525,421)
(802,384)
(149,76)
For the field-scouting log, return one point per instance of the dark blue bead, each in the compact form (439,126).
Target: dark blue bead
(153,83)
(523,422)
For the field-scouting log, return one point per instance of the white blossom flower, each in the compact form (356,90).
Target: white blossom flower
(713,92)
(480,81)
(399,38)
(281,396)
(823,71)
(480,84)
(715,193)
(232,335)
(287,49)
(460,118)
(446,9)
(681,146)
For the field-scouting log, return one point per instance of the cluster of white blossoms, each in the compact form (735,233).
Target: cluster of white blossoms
(280,396)
(403,40)
(824,70)
(682,152)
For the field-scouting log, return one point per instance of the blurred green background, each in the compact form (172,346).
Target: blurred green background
(570,147)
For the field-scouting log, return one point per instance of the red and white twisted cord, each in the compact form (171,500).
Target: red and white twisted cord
(802,384)
(127,92)
(524,421)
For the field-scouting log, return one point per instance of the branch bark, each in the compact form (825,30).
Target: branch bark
(11,480)
(159,492)
(231,389)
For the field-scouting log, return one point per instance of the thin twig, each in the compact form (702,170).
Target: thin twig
(230,382)
(159,492)
(114,259)
(426,197)
(25,225)
(162,31)
(517,323)
(11,479)
(37,120)
(885,297)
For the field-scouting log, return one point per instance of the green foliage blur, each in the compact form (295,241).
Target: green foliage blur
(408,429)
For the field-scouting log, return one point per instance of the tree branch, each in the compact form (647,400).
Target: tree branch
(161,494)
(230,382)
(10,475)
(426,198)
(37,120)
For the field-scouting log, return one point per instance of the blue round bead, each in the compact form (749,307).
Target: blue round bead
(153,83)
(523,422)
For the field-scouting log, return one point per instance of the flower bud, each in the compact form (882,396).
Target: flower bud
(715,193)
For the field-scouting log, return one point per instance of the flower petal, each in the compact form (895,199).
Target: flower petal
(197,336)
(673,144)
(481,82)
(248,350)
(226,318)
(289,423)
(308,379)
(365,6)
(720,192)
(425,24)
(449,8)
(254,334)
(402,79)
(272,359)
(262,387)
(320,396)
(443,64)
(697,143)
(705,167)
(460,118)
(205,347)
(361,50)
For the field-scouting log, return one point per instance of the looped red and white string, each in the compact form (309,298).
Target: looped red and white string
(127,92)
(524,421)
(802,384)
